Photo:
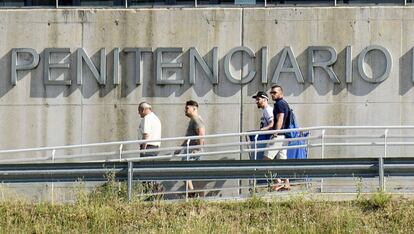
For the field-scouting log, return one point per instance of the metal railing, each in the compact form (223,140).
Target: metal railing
(208,170)
(193,3)
(92,161)
(219,145)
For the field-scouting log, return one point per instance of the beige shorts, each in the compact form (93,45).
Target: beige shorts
(276,153)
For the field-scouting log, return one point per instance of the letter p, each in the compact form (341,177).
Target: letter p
(26,66)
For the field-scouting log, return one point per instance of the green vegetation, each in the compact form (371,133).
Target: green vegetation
(107,210)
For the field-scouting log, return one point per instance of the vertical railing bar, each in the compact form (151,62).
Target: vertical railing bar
(57,4)
(188,159)
(255,158)
(130,178)
(323,153)
(381,173)
(255,146)
(120,151)
(53,155)
(381,162)
(323,143)
(53,184)
(385,142)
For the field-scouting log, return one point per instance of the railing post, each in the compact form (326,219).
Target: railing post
(323,153)
(53,155)
(381,173)
(255,146)
(130,178)
(323,144)
(385,142)
(53,184)
(120,152)
(255,158)
(381,163)
(187,151)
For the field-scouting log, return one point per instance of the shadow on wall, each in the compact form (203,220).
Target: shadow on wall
(5,83)
(225,88)
(406,75)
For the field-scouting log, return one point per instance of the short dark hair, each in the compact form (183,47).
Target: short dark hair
(277,86)
(191,103)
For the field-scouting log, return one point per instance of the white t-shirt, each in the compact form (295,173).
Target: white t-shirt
(150,125)
(267,116)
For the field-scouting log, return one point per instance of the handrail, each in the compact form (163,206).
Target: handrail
(194,4)
(205,137)
(126,163)
(318,138)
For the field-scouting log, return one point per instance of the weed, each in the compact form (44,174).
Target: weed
(378,200)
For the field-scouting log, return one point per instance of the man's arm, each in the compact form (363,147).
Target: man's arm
(279,120)
(269,126)
(201,132)
(145,136)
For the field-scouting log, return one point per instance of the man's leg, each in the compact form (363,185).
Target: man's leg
(271,153)
(282,155)
(150,154)
(190,185)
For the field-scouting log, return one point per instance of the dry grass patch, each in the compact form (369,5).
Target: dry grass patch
(107,211)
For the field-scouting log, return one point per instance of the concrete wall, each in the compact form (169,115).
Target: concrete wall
(33,114)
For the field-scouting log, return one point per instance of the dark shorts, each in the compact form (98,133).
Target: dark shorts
(150,154)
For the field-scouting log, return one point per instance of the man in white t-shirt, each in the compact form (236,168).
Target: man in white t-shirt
(262,102)
(149,129)
(266,123)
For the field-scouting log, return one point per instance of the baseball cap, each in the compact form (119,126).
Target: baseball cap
(261,94)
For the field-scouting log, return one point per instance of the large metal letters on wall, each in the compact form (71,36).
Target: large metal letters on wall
(210,70)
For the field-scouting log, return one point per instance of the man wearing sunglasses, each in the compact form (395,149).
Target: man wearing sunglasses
(280,115)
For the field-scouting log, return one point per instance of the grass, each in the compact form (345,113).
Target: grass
(106,210)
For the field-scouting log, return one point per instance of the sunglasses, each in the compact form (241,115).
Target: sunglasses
(273,92)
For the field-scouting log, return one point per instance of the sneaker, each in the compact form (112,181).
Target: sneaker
(277,187)
(286,188)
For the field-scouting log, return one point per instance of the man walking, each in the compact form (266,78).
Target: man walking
(280,115)
(196,127)
(149,129)
(266,123)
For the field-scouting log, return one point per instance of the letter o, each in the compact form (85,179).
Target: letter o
(388,61)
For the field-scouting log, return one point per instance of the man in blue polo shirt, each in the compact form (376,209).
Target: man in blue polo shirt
(280,115)
(280,121)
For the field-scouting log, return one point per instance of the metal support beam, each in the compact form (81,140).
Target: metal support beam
(130,179)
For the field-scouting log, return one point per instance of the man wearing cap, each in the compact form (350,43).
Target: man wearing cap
(262,102)
(149,129)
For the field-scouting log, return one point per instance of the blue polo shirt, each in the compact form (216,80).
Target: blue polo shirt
(281,106)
